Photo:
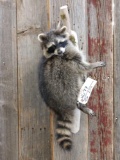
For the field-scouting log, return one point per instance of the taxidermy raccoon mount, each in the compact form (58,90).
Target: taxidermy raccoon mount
(61,75)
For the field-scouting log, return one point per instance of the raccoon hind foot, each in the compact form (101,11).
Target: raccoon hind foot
(85,109)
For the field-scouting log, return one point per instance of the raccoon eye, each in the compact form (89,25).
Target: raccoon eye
(51,49)
(63,44)
(64,36)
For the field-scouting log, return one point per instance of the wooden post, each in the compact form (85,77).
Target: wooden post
(65,17)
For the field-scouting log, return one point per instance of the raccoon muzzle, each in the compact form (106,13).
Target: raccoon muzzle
(63,134)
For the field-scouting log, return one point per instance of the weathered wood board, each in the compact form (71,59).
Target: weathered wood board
(117,79)
(34,117)
(100,43)
(8,82)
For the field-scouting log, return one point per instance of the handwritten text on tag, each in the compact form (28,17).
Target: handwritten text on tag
(86,90)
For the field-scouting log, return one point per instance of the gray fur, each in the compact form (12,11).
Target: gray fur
(61,75)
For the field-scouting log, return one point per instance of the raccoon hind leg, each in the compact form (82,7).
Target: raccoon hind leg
(85,109)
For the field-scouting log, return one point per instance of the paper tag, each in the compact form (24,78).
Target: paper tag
(83,98)
(86,90)
(76,121)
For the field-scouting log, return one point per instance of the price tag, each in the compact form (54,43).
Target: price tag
(86,90)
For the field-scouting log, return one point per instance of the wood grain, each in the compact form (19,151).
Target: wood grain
(117,80)
(100,42)
(34,116)
(8,82)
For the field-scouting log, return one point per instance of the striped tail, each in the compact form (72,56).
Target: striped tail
(63,133)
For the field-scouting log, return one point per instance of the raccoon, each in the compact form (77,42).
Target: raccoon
(61,75)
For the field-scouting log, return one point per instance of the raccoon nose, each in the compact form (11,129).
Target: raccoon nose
(60,51)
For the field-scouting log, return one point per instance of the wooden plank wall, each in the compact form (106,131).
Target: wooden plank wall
(27,127)
(117,79)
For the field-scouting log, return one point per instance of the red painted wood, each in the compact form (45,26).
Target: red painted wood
(100,47)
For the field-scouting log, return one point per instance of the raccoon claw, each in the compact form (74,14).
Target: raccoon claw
(102,64)
(92,113)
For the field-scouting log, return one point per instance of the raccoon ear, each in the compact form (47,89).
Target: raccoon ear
(42,37)
(63,29)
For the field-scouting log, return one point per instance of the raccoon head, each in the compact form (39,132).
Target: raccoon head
(54,42)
